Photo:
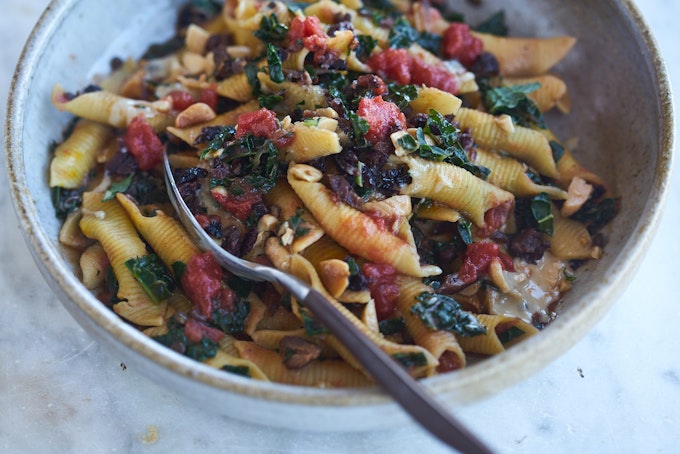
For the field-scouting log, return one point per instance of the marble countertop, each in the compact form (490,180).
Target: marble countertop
(617,390)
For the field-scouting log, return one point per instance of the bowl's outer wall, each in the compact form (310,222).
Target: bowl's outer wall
(624,134)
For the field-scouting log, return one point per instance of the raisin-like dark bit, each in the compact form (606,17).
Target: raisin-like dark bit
(343,189)
(340,26)
(189,193)
(190,174)
(121,163)
(529,245)
(347,162)
(208,134)
(231,239)
(218,42)
(485,65)
(248,242)
(214,226)
(297,352)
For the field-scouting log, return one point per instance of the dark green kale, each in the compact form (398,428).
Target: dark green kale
(534,212)
(402,34)
(65,201)
(359,129)
(401,95)
(513,101)
(153,276)
(410,360)
(178,269)
(111,285)
(391,326)
(164,49)
(119,186)
(210,7)
(271,30)
(557,150)
(177,340)
(201,350)
(441,312)
(275,66)
(294,223)
(232,321)
(256,159)
(313,327)
(251,70)
(238,370)
(494,25)
(513,333)
(242,287)
(464,228)
(269,101)
(224,134)
(541,208)
(597,213)
(366,45)
(446,147)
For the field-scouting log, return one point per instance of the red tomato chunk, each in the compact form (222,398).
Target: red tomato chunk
(458,43)
(196,331)
(478,257)
(202,282)
(384,290)
(403,68)
(261,123)
(308,30)
(143,143)
(383,118)
(240,205)
(181,99)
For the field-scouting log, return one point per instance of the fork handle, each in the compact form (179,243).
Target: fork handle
(394,379)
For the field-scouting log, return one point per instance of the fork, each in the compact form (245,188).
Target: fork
(393,378)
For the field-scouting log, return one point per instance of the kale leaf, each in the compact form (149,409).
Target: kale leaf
(119,186)
(65,201)
(271,30)
(494,25)
(232,321)
(441,312)
(152,275)
(513,101)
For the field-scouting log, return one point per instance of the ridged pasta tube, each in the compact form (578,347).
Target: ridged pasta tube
(454,187)
(77,155)
(352,229)
(108,223)
(522,143)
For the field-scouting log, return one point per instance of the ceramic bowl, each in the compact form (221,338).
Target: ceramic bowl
(621,115)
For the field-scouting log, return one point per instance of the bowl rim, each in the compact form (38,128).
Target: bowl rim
(461,387)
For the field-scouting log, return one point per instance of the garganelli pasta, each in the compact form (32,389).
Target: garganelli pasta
(392,156)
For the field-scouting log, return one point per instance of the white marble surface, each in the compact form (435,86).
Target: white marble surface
(618,390)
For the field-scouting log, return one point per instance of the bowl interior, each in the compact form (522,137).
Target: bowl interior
(621,117)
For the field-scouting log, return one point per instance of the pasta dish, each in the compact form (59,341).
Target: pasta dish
(390,154)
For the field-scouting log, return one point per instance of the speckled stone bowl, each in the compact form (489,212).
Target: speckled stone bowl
(621,115)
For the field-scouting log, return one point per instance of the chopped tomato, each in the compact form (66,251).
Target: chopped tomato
(202,282)
(495,218)
(181,99)
(261,123)
(196,331)
(308,30)
(433,76)
(449,361)
(403,68)
(143,143)
(240,205)
(209,97)
(384,290)
(383,118)
(458,43)
(392,64)
(477,258)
